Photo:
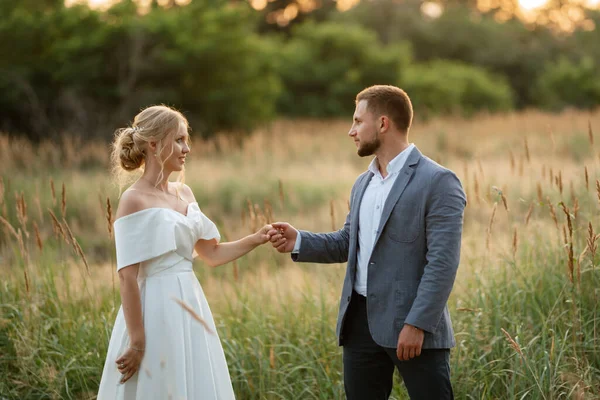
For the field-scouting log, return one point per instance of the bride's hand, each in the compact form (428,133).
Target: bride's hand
(129,363)
(262,236)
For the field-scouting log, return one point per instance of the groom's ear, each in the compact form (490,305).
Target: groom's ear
(384,123)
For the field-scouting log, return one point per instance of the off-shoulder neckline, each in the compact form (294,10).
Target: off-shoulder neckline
(187,211)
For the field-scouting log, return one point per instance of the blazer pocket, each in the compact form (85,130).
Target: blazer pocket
(404,224)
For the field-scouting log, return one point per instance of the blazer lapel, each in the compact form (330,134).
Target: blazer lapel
(401,181)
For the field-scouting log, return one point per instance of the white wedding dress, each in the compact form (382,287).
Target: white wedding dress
(182,359)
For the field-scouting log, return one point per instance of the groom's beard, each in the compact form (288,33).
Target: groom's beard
(369,148)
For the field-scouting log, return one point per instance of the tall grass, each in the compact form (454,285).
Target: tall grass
(524,304)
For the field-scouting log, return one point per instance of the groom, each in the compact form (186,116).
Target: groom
(401,240)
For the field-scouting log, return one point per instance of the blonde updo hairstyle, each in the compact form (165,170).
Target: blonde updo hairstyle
(130,146)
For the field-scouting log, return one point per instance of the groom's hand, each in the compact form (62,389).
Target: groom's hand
(283,236)
(410,342)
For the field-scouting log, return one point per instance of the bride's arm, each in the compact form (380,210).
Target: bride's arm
(132,305)
(215,254)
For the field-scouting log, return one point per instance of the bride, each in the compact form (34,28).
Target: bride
(158,348)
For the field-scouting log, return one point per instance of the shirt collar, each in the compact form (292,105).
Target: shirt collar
(395,165)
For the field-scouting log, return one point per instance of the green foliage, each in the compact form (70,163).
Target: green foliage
(509,49)
(443,87)
(325,65)
(84,71)
(76,70)
(568,83)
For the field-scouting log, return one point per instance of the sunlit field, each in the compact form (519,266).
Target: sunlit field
(524,304)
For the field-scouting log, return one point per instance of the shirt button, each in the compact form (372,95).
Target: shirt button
(378,207)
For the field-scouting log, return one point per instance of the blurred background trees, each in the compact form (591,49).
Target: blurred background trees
(231,65)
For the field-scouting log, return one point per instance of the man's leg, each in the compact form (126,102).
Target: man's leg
(426,376)
(368,370)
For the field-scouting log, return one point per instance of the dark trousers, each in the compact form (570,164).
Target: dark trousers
(369,368)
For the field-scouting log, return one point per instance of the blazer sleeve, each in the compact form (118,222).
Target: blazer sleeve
(443,231)
(328,248)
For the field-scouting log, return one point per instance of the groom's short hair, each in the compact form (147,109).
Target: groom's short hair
(390,101)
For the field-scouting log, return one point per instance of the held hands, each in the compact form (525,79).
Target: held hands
(263,235)
(129,363)
(283,237)
(410,342)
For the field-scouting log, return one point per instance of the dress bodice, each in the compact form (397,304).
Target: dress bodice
(161,239)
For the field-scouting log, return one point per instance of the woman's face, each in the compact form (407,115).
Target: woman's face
(176,149)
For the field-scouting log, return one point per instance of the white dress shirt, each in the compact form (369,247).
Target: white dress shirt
(370,211)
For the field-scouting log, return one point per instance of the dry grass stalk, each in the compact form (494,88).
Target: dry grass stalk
(512,161)
(1,190)
(21,207)
(512,342)
(76,247)
(598,189)
(9,227)
(590,133)
(260,216)
(281,194)
(63,203)
(268,211)
(502,196)
(543,171)
(38,206)
(515,243)
(332,214)
(476,187)
(252,215)
(194,315)
(559,181)
(551,176)
(540,193)
(236,275)
(575,207)
(109,217)
(570,262)
(591,241)
(480,167)
(53,192)
(527,156)
(521,168)
(587,179)
(57,227)
(568,215)
(38,237)
(528,216)
(552,212)
(489,229)
(23,250)
(564,232)
(272,358)
(504,201)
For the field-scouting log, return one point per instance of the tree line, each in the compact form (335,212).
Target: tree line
(80,71)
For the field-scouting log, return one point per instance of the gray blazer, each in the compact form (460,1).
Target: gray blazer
(415,256)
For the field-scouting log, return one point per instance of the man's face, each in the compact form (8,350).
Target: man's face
(364,130)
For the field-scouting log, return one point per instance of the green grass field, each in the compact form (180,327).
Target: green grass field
(524,305)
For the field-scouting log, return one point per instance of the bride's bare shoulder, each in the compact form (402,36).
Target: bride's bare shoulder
(131,201)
